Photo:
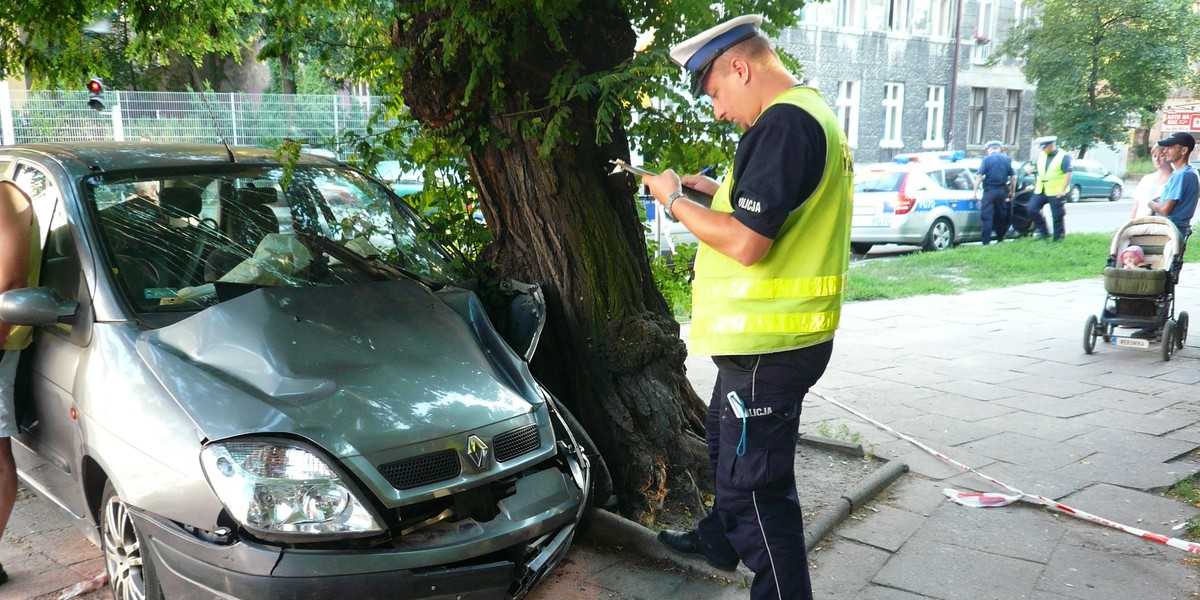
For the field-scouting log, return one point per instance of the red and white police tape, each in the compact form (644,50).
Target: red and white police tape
(988,500)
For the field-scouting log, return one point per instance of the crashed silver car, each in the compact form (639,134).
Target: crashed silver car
(256,382)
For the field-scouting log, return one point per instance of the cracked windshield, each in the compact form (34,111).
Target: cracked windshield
(183,241)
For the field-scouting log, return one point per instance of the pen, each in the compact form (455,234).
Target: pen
(706,170)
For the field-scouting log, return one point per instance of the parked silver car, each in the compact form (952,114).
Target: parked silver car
(925,203)
(254,382)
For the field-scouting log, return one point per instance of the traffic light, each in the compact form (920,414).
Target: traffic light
(95,90)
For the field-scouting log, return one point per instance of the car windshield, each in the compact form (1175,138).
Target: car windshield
(880,182)
(186,240)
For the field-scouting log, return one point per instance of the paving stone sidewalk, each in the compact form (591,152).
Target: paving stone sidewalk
(997,380)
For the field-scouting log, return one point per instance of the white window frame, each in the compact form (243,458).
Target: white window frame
(985,33)
(921,22)
(893,116)
(899,15)
(935,111)
(850,14)
(847,110)
(942,18)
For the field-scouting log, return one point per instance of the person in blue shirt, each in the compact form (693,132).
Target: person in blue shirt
(1178,200)
(999,185)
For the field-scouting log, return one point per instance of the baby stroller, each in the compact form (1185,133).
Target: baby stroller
(1139,305)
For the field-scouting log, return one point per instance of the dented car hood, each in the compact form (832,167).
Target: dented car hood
(356,368)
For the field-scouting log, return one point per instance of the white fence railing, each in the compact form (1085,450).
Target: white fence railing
(242,119)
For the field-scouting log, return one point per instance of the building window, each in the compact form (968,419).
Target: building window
(943,18)
(899,14)
(978,116)
(893,110)
(849,13)
(984,30)
(847,109)
(921,17)
(1012,117)
(934,109)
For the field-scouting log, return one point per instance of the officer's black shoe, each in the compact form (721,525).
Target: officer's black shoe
(685,542)
(3,575)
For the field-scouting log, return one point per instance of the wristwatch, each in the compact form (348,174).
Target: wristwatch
(671,202)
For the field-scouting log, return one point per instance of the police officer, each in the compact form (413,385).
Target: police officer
(999,185)
(770,275)
(1053,182)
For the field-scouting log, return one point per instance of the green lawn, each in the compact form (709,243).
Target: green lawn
(975,267)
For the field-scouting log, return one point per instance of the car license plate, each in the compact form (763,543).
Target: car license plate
(1132,342)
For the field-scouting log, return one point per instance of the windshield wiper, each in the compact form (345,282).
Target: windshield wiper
(369,265)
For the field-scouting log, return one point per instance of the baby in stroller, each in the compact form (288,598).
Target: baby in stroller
(1144,263)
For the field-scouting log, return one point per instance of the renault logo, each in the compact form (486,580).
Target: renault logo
(477,451)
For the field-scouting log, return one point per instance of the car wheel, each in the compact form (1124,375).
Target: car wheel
(860,247)
(1168,339)
(1115,194)
(1181,327)
(130,570)
(1074,195)
(1089,334)
(940,236)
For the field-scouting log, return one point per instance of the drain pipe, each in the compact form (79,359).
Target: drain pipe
(954,75)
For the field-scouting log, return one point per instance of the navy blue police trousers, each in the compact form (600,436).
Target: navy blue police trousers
(756,515)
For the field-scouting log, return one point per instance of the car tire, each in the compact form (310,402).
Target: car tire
(1115,193)
(940,236)
(1075,194)
(131,574)
(860,248)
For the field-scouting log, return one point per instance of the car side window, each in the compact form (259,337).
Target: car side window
(60,269)
(40,188)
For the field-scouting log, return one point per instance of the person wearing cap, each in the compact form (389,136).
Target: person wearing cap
(1052,183)
(20,252)
(1178,200)
(999,182)
(770,275)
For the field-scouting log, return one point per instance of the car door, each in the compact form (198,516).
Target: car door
(960,195)
(49,445)
(1087,177)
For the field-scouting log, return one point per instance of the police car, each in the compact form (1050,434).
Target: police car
(926,201)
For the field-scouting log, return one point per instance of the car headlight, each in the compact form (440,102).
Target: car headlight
(275,488)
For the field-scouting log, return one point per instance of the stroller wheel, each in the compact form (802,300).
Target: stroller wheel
(1089,334)
(1181,327)
(1168,339)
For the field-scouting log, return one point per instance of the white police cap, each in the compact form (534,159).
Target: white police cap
(1046,140)
(696,54)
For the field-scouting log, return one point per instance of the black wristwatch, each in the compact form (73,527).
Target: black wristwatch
(671,202)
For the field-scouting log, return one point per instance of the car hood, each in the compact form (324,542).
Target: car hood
(357,369)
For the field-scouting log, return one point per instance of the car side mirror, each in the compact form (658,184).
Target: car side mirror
(526,316)
(36,307)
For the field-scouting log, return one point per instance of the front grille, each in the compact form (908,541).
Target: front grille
(521,440)
(422,470)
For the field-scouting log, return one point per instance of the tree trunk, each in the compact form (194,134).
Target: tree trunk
(611,349)
(286,73)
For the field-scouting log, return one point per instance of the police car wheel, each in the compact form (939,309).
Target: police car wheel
(940,236)
(860,247)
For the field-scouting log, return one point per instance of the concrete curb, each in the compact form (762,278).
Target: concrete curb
(612,529)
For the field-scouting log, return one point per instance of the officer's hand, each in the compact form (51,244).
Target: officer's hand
(662,185)
(702,184)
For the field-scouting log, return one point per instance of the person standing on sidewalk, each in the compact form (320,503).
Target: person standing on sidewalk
(1151,185)
(999,182)
(1178,201)
(1053,182)
(19,256)
(770,276)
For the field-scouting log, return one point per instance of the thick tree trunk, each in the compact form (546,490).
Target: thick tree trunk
(611,349)
(287,74)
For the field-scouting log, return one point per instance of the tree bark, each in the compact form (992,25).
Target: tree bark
(611,349)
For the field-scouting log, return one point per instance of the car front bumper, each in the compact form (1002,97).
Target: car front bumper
(189,568)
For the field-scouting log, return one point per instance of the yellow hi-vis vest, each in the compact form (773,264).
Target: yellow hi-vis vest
(1050,179)
(19,336)
(792,298)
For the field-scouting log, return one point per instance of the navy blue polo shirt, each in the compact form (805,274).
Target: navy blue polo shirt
(996,169)
(779,163)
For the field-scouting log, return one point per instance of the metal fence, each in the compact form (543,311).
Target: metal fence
(242,119)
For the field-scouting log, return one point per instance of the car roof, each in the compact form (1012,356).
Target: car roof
(99,157)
